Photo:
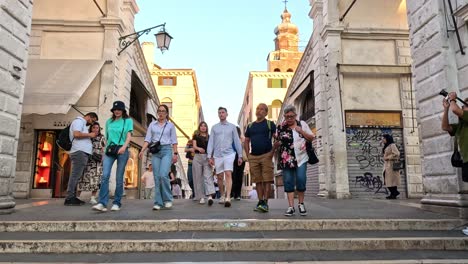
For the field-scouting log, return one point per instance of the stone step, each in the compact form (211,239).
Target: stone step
(229,225)
(245,257)
(112,242)
(193,235)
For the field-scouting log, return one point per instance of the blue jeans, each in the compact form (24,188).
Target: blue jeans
(297,176)
(162,162)
(106,172)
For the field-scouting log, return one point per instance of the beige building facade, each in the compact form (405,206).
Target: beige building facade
(15,28)
(439,62)
(353,84)
(73,69)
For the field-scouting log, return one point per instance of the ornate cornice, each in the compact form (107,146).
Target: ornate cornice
(172,72)
(272,74)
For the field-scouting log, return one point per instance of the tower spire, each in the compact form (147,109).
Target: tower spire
(285,4)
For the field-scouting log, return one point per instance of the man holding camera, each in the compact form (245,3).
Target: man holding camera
(460,130)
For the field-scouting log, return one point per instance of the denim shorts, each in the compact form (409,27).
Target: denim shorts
(295,177)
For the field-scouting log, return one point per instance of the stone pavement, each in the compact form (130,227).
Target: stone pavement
(54,210)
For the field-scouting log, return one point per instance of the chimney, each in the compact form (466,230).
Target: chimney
(148,51)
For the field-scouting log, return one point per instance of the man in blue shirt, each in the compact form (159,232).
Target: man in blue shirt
(258,141)
(221,153)
(79,153)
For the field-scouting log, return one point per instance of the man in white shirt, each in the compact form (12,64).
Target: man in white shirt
(80,151)
(221,152)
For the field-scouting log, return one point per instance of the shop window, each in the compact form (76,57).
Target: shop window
(44,158)
(132,169)
(308,106)
(138,98)
(276,83)
(167,80)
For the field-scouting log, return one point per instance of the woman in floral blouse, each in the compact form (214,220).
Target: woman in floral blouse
(291,136)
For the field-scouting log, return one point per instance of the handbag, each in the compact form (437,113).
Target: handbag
(397,165)
(456,158)
(113,149)
(96,157)
(155,147)
(313,159)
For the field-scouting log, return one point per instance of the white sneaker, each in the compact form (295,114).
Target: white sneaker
(222,200)
(93,200)
(202,201)
(465,231)
(115,208)
(100,207)
(168,205)
(156,207)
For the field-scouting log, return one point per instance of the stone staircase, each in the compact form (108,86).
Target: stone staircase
(257,239)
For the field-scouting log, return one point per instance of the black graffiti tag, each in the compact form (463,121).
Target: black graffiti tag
(371,183)
(368,155)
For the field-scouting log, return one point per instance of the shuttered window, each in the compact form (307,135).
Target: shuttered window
(167,81)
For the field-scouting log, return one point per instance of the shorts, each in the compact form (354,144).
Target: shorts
(295,177)
(225,163)
(261,167)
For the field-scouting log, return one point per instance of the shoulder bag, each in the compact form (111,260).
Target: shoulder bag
(113,149)
(155,147)
(456,158)
(313,159)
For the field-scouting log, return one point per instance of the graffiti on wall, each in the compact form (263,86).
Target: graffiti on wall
(371,183)
(367,141)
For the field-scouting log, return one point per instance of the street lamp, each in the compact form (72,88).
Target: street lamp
(163,39)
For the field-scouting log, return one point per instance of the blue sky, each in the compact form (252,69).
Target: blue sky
(222,41)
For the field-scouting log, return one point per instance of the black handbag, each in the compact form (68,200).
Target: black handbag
(113,149)
(397,165)
(155,147)
(456,158)
(96,157)
(313,159)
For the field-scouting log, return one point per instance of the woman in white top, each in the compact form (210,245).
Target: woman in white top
(291,136)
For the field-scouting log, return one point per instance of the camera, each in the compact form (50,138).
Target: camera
(443,93)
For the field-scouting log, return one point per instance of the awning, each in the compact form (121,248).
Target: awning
(151,108)
(53,86)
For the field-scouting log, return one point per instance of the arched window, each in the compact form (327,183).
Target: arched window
(276,70)
(290,70)
(274,110)
(167,101)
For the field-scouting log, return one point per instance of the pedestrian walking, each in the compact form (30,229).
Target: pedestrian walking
(162,136)
(258,145)
(119,129)
(238,172)
(148,181)
(190,154)
(221,154)
(291,137)
(80,151)
(391,177)
(202,172)
(92,175)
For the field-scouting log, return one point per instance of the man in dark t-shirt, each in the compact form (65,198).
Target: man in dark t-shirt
(259,148)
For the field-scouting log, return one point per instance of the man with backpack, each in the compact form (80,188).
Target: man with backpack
(259,148)
(81,149)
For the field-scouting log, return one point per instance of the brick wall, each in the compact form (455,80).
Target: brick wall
(15,25)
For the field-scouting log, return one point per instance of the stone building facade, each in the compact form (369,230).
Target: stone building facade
(439,62)
(15,27)
(352,85)
(75,68)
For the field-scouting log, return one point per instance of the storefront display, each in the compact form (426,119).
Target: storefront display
(44,156)
(52,166)
(132,170)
